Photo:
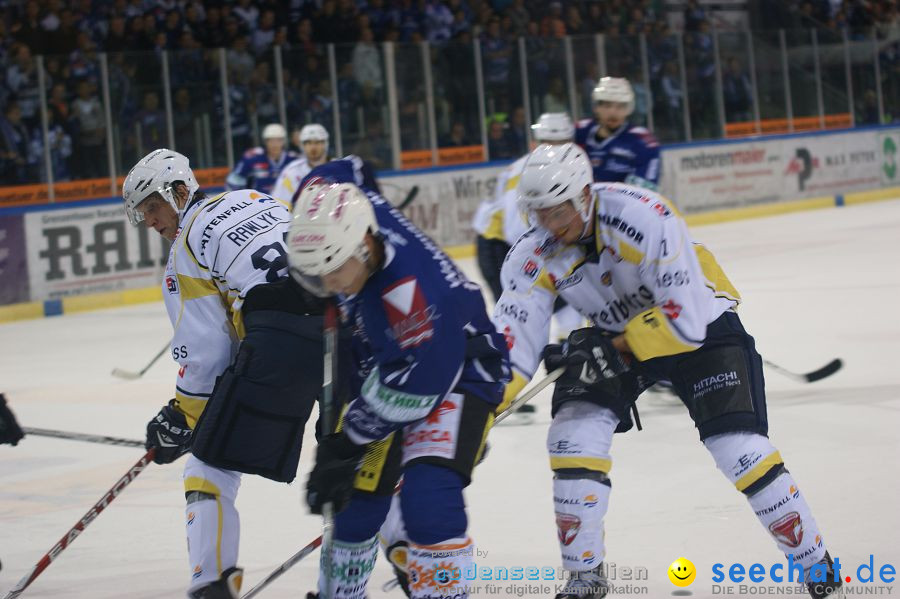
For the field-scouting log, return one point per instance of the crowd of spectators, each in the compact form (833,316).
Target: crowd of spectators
(202,37)
(860,18)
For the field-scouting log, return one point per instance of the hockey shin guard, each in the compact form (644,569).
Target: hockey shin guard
(351,567)
(440,571)
(755,467)
(579,442)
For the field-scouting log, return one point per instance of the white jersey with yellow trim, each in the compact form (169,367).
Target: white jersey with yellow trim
(225,246)
(288,181)
(641,274)
(499,217)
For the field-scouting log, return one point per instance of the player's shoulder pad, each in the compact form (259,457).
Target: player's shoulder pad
(584,123)
(524,263)
(231,209)
(644,135)
(636,203)
(254,152)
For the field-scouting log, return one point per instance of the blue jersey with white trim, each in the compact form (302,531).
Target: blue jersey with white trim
(421,331)
(349,169)
(257,171)
(629,155)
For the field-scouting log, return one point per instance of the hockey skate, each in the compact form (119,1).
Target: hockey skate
(829,587)
(227,587)
(591,584)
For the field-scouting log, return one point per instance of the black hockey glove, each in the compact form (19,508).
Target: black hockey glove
(169,434)
(588,356)
(331,479)
(10,432)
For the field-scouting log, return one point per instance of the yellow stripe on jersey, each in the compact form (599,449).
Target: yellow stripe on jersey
(512,390)
(193,287)
(758,471)
(649,335)
(596,464)
(191,407)
(373,462)
(715,275)
(629,253)
(494,229)
(512,183)
(195,483)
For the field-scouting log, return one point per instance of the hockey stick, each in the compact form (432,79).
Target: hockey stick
(283,568)
(516,404)
(809,377)
(130,375)
(79,527)
(327,417)
(46,432)
(413,192)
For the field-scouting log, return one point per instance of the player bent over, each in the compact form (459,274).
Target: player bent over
(661,308)
(431,372)
(238,317)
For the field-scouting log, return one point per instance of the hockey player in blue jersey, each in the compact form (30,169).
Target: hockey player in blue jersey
(431,369)
(260,166)
(618,150)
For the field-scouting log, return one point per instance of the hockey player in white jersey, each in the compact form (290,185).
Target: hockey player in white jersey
(661,307)
(248,341)
(498,221)
(314,143)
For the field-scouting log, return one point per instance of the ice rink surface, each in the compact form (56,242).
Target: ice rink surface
(816,285)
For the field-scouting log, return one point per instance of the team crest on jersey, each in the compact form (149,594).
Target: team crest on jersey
(788,529)
(671,309)
(171,284)
(567,527)
(409,315)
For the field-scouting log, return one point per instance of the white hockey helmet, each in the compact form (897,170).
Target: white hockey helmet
(314,132)
(614,89)
(274,131)
(328,228)
(554,174)
(157,172)
(553,126)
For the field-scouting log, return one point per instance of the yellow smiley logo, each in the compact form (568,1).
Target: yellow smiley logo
(682,572)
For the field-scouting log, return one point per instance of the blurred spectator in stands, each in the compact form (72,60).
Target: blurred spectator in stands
(367,67)
(64,39)
(303,37)
(497,54)
(438,21)
(867,110)
(456,137)
(240,61)
(555,98)
(58,104)
(264,35)
(350,95)
(172,27)
(672,100)
(50,19)
(375,145)
(60,143)
(498,142)
(264,93)
(151,125)
(737,92)
(694,14)
(15,144)
(247,11)
(586,87)
(27,28)
(90,133)
(519,17)
(516,134)
(84,62)
(575,25)
(212,35)
(117,39)
(186,123)
(22,82)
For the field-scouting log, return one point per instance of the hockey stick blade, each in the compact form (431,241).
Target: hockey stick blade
(413,192)
(129,375)
(125,374)
(809,377)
